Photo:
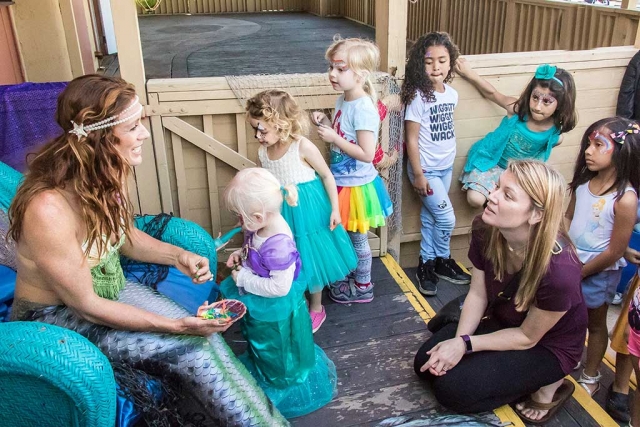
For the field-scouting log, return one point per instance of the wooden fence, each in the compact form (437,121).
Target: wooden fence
(201,138)
(477,26)
(493,26)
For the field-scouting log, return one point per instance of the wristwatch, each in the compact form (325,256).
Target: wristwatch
(467,343)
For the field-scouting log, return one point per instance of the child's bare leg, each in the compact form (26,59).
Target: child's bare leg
(598,341)
(624,368)
(635,407)
(475,198)
(315,302)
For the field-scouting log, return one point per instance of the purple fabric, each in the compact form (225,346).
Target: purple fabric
(27,120)
(278,252)
(559,290)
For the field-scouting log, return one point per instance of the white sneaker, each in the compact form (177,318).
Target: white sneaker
(617,300)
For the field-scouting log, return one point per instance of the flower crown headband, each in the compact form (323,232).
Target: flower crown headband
(620,136)
(82,130)
(547,72)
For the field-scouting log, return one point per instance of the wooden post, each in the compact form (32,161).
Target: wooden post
(628,4)
(125,24)
(71,36)
(324,8)
(391,35)
(509,40)
(443,21)
(568,22)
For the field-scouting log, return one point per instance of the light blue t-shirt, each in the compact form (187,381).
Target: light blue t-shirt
(349,117)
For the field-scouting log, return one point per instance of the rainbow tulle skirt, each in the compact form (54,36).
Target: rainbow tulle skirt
(365,206)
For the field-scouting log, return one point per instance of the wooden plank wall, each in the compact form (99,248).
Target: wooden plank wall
(362,11)
(175,7)
(494,26)
(597,74)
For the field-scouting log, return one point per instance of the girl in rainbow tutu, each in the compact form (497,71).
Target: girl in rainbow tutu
(362,197)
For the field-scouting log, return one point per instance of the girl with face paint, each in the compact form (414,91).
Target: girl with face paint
(602,212)
(352,135)
(533,126)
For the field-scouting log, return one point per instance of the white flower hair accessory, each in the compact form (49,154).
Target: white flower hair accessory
(81,130)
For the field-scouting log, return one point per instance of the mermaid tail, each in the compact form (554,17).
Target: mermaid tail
(206,368)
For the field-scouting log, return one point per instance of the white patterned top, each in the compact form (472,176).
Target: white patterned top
(289,169)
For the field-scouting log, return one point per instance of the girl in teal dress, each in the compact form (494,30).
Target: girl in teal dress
(324,245)
(532,127)
(295,373)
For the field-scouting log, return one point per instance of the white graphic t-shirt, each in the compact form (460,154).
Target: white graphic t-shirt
(437,138)
(350,117)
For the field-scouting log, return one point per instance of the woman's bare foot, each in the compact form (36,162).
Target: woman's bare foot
(543,395)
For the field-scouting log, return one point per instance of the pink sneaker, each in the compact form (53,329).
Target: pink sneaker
(317,319)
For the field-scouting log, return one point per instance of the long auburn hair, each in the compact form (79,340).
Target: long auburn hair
(416,78)
(625,158)
(547,189)
(565,117)
(278,108)
(89,166)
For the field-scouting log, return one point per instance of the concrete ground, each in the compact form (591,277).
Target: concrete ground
(240,44)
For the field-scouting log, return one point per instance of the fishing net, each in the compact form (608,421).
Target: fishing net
(314,93)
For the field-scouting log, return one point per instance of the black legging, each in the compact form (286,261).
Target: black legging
(486,380)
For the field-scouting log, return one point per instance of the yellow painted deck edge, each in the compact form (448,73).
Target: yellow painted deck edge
(598,414)
(505,413)
(415,298)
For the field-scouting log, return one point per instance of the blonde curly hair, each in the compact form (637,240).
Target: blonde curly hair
(278,108)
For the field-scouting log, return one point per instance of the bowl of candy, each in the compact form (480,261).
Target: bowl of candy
(225,312)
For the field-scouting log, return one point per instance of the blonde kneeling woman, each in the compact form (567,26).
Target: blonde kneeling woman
(530,342)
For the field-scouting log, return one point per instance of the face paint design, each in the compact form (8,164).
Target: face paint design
(339,64)
(607,144)
(546,99)
(261,131)
(427,54)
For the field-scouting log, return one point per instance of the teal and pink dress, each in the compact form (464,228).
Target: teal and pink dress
(294,373)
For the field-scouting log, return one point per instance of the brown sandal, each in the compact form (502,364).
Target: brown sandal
(563,393)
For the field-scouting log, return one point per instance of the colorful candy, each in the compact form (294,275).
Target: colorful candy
(219,313)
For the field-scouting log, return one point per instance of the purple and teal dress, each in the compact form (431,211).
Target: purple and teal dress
(294,373)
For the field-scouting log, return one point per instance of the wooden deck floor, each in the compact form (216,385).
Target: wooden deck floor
(373,346)
(237,44)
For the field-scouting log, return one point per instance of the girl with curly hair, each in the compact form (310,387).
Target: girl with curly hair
(324,245)
(431,146)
